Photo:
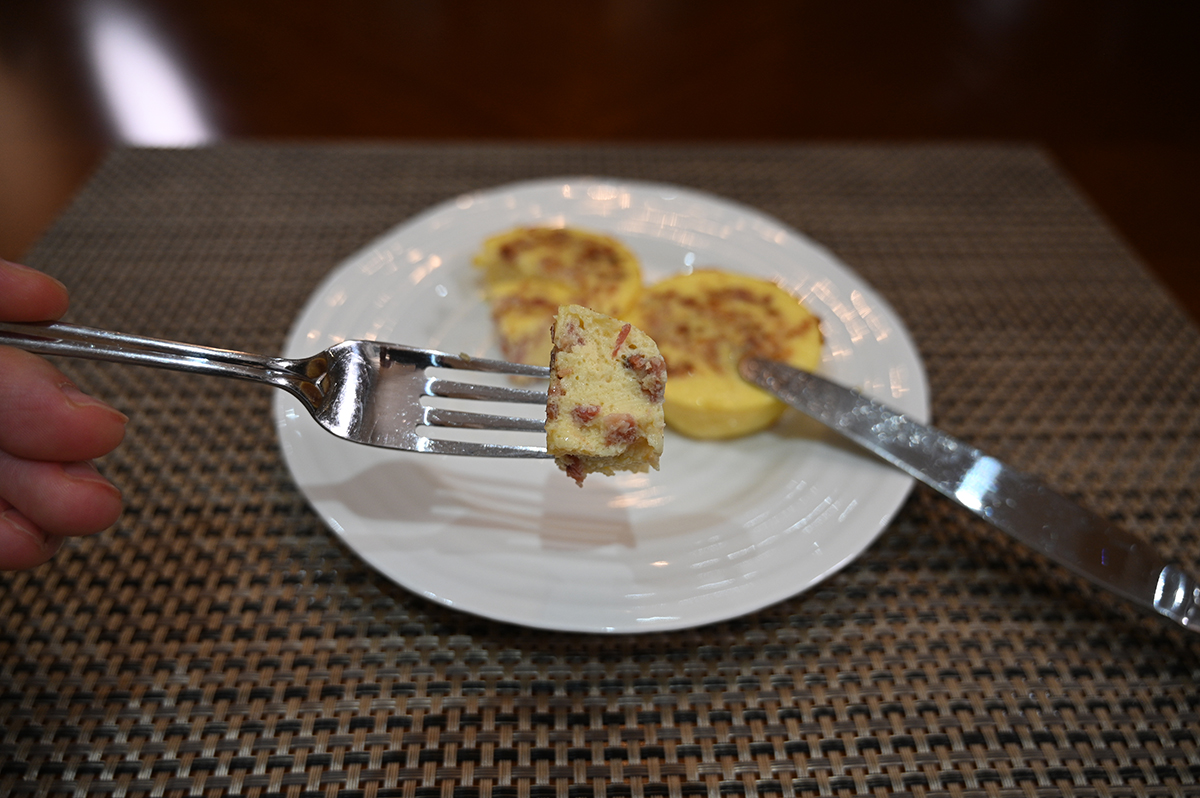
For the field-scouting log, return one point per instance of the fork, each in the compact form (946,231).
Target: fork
(363,391)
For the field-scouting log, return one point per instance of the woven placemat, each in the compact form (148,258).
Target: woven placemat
(221,640)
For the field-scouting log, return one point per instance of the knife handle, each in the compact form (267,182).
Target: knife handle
(1016,502)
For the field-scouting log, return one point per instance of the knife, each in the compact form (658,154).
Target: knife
(1016,502)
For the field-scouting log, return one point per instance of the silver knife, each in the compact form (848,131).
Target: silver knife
(1020,504)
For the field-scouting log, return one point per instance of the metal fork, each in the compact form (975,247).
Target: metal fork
(363,391)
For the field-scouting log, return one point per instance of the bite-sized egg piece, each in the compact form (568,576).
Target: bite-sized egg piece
(529,272)
(604,406)
(704,322)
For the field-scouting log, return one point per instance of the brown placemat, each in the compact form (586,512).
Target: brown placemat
(221,640)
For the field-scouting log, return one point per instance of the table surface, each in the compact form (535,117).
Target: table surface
(221,639)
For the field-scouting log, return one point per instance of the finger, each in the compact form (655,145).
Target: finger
(47,418)
(59,498)
(22,544)
(29,295)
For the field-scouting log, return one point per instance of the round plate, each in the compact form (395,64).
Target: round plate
(724,528)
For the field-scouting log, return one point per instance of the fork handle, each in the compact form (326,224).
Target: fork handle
(70,340)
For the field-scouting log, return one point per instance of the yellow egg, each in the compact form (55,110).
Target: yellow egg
(529,272)
(704,322)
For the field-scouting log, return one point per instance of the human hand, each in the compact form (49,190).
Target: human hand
(49,430)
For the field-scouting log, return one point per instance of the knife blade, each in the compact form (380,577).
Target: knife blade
(1016,502)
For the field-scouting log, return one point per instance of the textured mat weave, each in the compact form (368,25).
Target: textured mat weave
(220,639)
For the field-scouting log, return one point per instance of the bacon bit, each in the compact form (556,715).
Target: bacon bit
(739,294)
(511,249)
(514,350)
(619,428)
(570,338)
(584,413)
(521,304)
(552,393)
(651,374)
(803,327)
(598,257)
(621,336)
(574,469)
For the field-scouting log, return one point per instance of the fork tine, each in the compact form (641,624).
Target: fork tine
(414,379)
(437,446)
(441,417)
(452,389)
(468,363)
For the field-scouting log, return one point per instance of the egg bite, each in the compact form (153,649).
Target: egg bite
(529,272)
(604,408)
(704,322)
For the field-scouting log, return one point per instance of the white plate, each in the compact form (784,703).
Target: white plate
(723,529)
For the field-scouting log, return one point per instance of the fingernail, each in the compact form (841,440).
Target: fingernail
(84,471)
(78,398)
(21,524)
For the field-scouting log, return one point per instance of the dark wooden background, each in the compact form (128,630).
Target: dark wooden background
(1108,87)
